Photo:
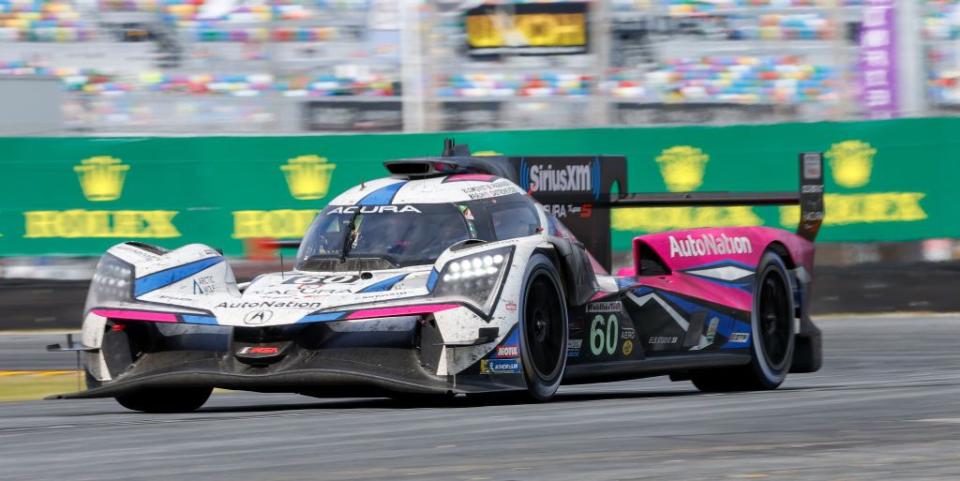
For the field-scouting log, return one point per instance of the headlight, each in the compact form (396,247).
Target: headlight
(475,278)
(112,282)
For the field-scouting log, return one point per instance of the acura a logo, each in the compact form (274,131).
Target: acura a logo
(256,318)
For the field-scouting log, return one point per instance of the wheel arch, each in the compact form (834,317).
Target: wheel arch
(781,250)
(577,278)
(564,271)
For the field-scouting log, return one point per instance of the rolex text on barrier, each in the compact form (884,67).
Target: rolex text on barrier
(888,180)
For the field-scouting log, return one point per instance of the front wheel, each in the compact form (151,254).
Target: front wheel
(165,400)
(543,327)
(772,336)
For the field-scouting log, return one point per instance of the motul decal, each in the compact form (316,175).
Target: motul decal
(508,351)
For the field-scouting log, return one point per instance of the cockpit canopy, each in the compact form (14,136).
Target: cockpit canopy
(348,237)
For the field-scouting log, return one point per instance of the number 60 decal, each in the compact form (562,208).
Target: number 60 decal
(604,339)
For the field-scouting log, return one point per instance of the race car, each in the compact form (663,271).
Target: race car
(453,275)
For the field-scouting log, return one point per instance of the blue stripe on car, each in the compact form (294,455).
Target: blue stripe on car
(384,285)
(166,277)
(322,317)
(728,325)
(432,280)
(200,320)
(383,195)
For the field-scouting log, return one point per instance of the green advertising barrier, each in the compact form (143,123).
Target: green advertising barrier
(886,180)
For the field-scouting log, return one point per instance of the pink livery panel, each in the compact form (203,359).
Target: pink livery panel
(688,249)
(715,264)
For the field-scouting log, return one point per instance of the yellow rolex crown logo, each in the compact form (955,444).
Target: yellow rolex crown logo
(101,177)
(308,176)
(851,162)
(682,167)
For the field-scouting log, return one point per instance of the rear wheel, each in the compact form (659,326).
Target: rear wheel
(543,326)
(772,336)
(180,400)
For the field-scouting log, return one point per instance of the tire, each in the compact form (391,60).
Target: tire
(772,336)
(543,329)
(180,400)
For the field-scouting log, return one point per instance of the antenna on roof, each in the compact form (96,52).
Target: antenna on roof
(449,147)
(452,149)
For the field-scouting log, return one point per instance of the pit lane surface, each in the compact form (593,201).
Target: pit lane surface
(885,406)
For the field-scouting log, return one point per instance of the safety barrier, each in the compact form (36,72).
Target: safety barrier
(886,180)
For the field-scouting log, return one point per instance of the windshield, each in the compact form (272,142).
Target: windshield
(403,235)
(409,234)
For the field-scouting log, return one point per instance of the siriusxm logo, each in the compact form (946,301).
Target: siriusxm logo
(570,178)
(547,177)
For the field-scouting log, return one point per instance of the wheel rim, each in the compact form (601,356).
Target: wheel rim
(544,336)
(774,319)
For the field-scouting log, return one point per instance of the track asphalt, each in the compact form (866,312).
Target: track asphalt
(885,406)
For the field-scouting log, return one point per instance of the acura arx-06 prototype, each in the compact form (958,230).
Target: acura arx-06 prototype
(453,275)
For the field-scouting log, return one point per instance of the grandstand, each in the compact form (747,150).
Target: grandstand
(283,66)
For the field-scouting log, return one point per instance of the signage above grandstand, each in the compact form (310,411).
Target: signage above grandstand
(527,29)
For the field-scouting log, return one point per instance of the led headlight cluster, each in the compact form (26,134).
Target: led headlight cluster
(113,281)
(473,267)
(475,278)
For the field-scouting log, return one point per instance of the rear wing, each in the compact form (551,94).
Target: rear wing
(562,190)
(582,190)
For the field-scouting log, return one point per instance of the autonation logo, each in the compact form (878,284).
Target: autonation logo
(708,245)
(582,177)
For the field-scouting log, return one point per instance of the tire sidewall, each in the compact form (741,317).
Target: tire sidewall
(542,389)
(767,374)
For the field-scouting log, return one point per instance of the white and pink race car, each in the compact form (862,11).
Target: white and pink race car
(453,275)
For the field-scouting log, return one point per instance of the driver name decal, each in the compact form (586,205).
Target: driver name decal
(708,245)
